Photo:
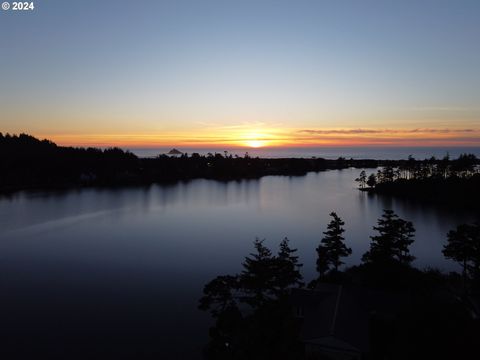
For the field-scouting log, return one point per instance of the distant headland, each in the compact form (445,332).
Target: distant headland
(174,152)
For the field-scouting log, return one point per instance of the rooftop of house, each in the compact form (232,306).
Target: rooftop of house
(340,315)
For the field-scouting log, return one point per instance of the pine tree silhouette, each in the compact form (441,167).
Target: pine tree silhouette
(392,243)
(332,247)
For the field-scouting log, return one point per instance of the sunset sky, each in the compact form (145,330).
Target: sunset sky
(243,73)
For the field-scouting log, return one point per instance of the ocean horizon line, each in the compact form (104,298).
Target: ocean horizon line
(363,152)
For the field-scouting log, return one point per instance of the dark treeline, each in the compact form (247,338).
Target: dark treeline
(26,162)
(266,312)
(447,181)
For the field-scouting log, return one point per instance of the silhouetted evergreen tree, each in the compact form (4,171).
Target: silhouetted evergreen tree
(268,330)
(264,278)
(392,243)
(464,247)
(332,247)
(372,180)
(323,261)
(287,269)
(362,179)
(258,276)
(387,174)
(465,164)
(220,294)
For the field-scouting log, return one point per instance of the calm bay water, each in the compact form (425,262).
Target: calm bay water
(124,268)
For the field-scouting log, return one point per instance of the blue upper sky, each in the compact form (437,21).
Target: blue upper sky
(111,68)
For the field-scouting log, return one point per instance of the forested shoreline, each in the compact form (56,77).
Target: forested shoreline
(452,182)
(29,163)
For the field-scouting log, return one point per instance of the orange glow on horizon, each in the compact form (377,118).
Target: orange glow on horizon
(225,138)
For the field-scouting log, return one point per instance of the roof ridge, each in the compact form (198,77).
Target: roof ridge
(335,313)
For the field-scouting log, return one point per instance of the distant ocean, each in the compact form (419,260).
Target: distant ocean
(378,153)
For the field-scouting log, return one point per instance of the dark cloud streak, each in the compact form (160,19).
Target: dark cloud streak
(383,131)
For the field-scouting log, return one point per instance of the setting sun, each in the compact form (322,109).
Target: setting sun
(255,139)
(255,143)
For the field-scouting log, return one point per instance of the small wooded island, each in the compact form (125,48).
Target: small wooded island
(454,182)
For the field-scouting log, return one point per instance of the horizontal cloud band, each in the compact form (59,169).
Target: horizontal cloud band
(383,131)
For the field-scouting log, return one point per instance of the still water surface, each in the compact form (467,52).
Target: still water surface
(125,267)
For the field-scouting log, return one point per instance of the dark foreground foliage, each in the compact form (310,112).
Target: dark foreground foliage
(265,312)
(432,321)
(253,316)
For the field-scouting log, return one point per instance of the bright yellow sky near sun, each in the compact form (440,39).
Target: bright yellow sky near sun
(143,128)
(257,135)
